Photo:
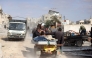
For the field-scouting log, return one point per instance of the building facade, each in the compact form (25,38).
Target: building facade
(80,22)
(50,14)
(67,22)
(89,21)
(3,17)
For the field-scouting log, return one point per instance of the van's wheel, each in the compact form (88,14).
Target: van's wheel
(9,39)
(79,43)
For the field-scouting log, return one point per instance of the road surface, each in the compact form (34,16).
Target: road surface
(23,49)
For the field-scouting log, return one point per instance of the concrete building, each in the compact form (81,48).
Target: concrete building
(89,21)
(35,20)
(67,22)
(50,14)
(80,22)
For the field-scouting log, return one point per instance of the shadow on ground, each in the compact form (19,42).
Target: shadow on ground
(29,53)
(6,39)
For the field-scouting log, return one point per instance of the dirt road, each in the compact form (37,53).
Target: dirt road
(21,49)
(15,48)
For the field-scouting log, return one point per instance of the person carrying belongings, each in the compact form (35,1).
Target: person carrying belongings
(82,30)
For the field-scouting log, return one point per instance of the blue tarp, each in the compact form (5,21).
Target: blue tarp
(40,38)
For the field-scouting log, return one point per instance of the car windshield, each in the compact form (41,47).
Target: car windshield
(16,26)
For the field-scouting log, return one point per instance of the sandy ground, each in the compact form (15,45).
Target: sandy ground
(15,48)
(22,49)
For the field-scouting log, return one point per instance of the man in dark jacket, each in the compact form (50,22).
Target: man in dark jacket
(36,32)
(59,35)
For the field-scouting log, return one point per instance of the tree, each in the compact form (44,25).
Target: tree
(48,23)
(52,21)
(55,19)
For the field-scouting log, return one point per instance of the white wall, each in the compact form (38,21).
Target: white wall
(90,21)
(67,21)
(76,27)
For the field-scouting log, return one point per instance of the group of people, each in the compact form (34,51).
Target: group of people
(40,32)
(40,29)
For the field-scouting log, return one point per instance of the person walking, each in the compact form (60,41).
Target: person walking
(60,37)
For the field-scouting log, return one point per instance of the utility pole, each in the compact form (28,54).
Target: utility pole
(64,17)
